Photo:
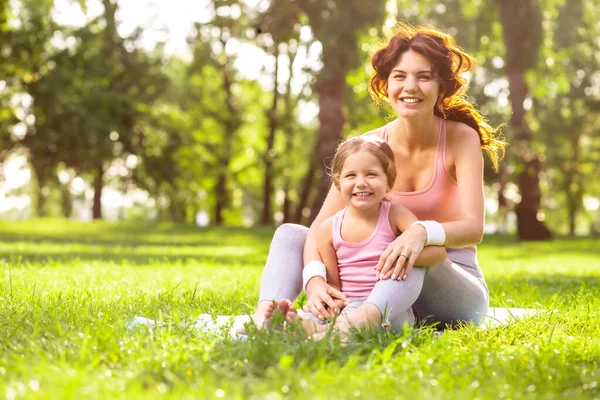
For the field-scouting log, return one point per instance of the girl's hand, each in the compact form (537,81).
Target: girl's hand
(397,261)
(320,294)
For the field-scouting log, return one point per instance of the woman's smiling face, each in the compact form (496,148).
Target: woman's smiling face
(411,87)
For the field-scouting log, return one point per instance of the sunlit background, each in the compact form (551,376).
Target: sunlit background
(202,146)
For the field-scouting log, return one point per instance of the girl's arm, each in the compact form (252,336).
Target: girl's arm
(327,253)
(318,291)
(329,257)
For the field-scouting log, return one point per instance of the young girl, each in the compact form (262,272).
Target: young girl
(351,241)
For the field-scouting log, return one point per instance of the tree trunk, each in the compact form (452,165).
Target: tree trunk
(221,198)
(98,186)
(41,175)
(528,225)
(572,205)
(231,124)
(521,20)
(331,118)
(177,210)
(286,207)
(66,200)
(307,186)
(575,184)
(267,217)
(289,128)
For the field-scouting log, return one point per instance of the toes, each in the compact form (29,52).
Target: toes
(284,306)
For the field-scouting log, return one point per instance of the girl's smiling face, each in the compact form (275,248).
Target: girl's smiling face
(363,182)
(411,87)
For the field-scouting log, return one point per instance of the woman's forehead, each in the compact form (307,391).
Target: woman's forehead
(412,60)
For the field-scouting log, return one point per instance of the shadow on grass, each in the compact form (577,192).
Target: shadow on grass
(65,231)
(510,248)
(538,288)
(134,242)
(125,244)
(67,257)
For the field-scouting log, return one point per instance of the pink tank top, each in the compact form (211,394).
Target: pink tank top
(439,200)
(356,260)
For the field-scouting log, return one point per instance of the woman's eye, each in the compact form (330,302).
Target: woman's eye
(425,77)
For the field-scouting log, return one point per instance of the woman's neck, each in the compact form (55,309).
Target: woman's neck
(414,133)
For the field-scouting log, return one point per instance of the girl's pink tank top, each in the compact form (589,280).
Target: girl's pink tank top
(356,260)
(438,200)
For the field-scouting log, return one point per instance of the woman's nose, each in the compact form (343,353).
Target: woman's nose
(410,84)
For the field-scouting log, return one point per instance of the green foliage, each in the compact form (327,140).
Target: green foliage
(195,123)
(70,289)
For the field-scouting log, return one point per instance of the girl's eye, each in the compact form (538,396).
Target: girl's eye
(425,77)
(398,76)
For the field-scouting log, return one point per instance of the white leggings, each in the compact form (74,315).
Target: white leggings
(448,294)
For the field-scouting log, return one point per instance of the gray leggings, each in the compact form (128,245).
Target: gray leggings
(448,294)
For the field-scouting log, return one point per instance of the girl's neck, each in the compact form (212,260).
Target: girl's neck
(371,214)
(414,133)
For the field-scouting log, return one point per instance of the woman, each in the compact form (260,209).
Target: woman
(437,140)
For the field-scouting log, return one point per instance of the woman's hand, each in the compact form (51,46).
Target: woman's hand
(397,261)
(323,299)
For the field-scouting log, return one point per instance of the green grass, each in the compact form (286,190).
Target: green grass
(68,290)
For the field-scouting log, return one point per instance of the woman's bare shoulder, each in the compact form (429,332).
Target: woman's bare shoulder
(377,132)
(459,135)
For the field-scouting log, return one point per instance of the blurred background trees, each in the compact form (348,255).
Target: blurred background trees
(99,118)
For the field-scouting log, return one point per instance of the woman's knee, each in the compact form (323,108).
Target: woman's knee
(293,231)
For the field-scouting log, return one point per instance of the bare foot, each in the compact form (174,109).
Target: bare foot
(261,317)
(367,315)
(286,308)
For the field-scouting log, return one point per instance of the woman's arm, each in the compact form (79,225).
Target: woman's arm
(465,154)
(317,290)
(401,219)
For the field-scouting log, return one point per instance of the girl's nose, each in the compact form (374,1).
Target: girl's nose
(360,180)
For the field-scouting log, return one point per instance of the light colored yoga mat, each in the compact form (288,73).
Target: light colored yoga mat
(231,323)
(498,316)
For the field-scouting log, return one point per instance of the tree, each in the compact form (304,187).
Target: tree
(563,104)
(522,29)
(281,23)
(209,45)
(335,24)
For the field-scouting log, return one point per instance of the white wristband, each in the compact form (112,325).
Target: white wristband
(436,236)
(312,269)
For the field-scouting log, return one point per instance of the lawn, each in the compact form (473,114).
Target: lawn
(68,291)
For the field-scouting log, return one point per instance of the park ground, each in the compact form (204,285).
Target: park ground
(68,291)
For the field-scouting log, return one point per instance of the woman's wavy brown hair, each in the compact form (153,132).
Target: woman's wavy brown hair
(448,62)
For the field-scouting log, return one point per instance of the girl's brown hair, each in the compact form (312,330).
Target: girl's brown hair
(372,144)
(448,62)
